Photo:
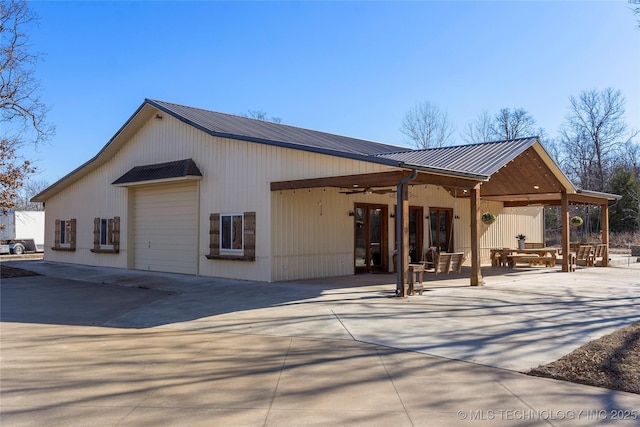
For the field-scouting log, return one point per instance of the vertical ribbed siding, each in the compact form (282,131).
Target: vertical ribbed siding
(292,239)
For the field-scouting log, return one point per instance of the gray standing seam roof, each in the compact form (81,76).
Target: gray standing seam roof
(477,159)
(484,159)
(222,124)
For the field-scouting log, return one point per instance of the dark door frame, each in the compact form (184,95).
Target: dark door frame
(435,240)
(384,238)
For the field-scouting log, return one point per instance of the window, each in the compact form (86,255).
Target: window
(106,235)
(65,232)
(65,235)
(232,236)
(231,232)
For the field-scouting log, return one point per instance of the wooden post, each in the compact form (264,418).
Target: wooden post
(604,219)
(402,232)
(476,273)
(565,232)
(405,236)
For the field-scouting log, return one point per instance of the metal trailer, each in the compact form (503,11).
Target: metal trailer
(21,232)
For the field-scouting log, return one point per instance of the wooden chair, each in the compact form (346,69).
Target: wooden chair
(584,256)
(416,274)
(442,264)
(446,263)
(599,253)
(533,245)
(456,262)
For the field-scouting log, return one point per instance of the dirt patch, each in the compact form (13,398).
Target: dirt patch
(7,272)
(612,362)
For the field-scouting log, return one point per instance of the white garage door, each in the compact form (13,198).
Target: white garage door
(166,224)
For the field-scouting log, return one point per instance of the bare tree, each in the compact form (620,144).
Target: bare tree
(426,126)
(30,188)
(479,130)
(636,9)
(261,115)
(512,124)
(593,135)
(22,113)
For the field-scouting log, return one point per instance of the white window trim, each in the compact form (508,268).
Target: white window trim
(228,251)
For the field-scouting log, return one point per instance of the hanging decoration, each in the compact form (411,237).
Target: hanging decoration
(576,221)
(488,218)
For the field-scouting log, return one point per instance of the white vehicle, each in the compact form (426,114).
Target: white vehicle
(21,231)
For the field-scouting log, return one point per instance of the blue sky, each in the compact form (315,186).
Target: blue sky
(351,68)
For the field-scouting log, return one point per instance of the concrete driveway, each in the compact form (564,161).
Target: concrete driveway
(134,348)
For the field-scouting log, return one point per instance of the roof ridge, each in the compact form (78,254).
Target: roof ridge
(270,123)
(448,147)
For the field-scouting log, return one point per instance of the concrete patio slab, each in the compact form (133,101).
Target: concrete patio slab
(162,349)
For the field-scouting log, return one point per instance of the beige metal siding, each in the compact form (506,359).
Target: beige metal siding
(295,236)
(166,228)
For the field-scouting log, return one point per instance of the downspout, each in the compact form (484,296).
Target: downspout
(399,235)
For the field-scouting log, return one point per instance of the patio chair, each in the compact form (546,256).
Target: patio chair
(442,264)
(599,253)
(456,262)
(533,245)
(584,256)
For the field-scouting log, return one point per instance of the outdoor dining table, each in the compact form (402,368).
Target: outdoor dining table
(505,253)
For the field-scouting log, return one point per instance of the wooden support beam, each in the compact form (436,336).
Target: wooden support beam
(376,179)
(405,236)
(476,217)
(565,232)
(604,219)
(379,179)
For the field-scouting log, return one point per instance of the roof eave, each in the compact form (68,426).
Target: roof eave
(608,196)
(60,184)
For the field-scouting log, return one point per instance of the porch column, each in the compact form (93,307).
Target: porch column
(476,274)
(604,220)
(402,235)
(565,231)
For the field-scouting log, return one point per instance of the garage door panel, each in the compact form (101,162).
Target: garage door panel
(166,228)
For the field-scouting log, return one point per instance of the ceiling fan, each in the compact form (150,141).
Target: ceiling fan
(369,190)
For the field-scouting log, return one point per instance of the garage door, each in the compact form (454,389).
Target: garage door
(166,224)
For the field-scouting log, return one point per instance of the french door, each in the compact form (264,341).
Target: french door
(441,229)
(370,223)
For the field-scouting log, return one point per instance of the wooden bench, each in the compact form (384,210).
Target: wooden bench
(444,263)
(547,261)
(599,254)
(584,256)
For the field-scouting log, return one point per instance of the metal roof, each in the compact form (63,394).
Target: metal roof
(483,159)
(157,171)
(238,127)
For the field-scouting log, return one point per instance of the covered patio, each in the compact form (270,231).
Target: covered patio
(514,173)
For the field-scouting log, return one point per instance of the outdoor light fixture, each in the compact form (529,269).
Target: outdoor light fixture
(158,117)
(351,213)
(536,187)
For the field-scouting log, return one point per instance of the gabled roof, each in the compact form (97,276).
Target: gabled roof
(237,127)
(477,162)
(482,159)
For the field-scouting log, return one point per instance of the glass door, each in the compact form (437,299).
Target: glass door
(370,222)
(441,230)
